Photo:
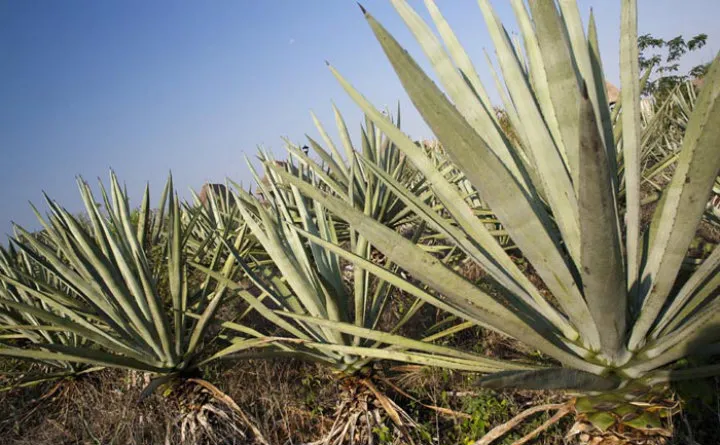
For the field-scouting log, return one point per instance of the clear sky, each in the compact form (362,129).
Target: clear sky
(144,87)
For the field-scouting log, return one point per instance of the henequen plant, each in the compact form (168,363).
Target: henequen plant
(621,316)
(347,177)
(96,284)
(302,282)
(18,326)
(305,281)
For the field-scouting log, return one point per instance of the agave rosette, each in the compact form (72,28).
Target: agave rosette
(307,286)
(96,284)
(619,313)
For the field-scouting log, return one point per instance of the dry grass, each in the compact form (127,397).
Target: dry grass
(105,408)
(292,402)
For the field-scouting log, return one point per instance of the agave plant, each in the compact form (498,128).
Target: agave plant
(90,294)
(304,282)
(346,177)
(217,220)
(303,279)
(663,128)
(455,176)
(299,281)
(612,311)
(20,327)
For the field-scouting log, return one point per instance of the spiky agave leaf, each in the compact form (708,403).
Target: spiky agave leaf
(558,198)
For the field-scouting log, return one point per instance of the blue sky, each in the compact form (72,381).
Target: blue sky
(148,87)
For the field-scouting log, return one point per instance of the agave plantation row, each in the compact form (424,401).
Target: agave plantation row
(327,240)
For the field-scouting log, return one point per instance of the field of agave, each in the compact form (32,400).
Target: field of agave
(580,235)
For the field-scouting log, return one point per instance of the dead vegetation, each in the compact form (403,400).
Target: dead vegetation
(294,402)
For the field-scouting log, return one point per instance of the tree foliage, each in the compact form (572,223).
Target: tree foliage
(664,56)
